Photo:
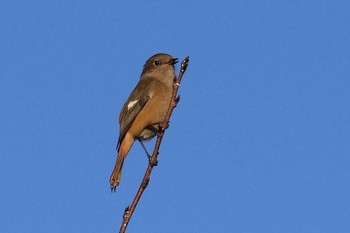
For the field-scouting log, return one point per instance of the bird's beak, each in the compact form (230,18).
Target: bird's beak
(173,61)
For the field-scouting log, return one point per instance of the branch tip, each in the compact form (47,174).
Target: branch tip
(184,63)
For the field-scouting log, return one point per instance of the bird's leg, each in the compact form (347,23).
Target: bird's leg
(143,146)
(160,129)
(148,155)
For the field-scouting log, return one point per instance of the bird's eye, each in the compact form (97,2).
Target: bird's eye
(156,62)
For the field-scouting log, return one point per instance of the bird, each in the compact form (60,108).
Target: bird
(145,108)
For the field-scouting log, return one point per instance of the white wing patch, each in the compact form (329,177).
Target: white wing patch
(132,103)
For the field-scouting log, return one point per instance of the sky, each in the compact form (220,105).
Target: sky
(259,141)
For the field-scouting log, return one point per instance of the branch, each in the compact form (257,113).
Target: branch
(129,210)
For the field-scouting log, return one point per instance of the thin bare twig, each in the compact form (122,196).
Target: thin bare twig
(129,210)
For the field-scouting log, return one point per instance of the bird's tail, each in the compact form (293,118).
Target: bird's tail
(117,172)
(124,148)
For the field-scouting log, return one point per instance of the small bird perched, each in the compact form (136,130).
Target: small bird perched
(145,109)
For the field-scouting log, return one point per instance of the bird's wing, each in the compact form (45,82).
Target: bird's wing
(134,104)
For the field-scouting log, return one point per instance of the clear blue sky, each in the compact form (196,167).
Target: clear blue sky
(260,141)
